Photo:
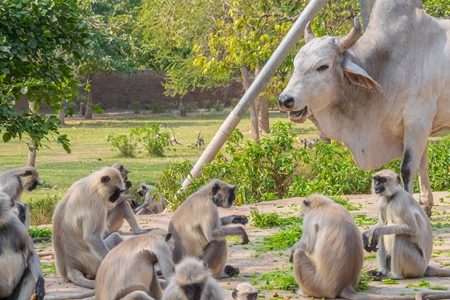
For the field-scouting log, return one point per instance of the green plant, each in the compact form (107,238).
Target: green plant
(153,141)
(268,220)
(235,101)
(208,104)
(124,144)
(190,106)
(219,105)
(136,107)
(279,279)
(36,232)
(155,108)
(281,240)
(41,209)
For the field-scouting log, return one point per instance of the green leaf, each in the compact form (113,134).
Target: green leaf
(6,137)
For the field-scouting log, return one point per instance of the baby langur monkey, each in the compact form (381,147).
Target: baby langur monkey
(123,210)
(16,181)
(192,281)
(198,231)
(402,238)
(329,256)
(150,205)
(245,291)
(127,272)
(21,274)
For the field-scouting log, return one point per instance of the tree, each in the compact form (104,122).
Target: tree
(36,37)
(112,47)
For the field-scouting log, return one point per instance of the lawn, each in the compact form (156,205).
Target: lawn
(91,151)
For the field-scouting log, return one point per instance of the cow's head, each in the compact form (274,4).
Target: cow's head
(321,73)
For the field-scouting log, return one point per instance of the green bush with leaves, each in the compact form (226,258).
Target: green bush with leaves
(123,144)
(153,141)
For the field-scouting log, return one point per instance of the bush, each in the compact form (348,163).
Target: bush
(219,106)
(151,139)
(234,102)
(41,209)
(155,108)
(208,104)
(191,107)
(124,144)
(136,107)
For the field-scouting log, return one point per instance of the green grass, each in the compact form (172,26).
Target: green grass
(91,151)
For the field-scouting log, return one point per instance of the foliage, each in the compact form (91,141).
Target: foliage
(35,39)
(266,169)
(153,141)
(155,108)
(36,232)
(48,269)
(281,240)
(279,279)
(41,209)
(124,144)
(268,220)
(136,107)
(171,180)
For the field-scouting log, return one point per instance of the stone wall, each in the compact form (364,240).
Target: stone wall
(120,91)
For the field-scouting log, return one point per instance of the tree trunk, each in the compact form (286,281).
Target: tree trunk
(182,107)
(61,113)
(88,115)
(262,104)
(31,160)
(253,111)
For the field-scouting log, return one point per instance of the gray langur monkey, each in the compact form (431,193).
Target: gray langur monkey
(244,291)
(79,226)
(192,281)
(172,138)
(329,256)
(198,231)
(21,274)
(122,210)
(16,181)
(150,205)
(128,270)
(402,238)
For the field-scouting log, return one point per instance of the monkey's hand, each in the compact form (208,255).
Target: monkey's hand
(374,242)
(240,220)
(366,243)
(40,288)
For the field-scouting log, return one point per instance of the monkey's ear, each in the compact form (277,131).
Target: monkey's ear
(234,293)
(215,189)
(105,179)
(168,236)
(398,179)
(121,168)
(27,173)
(306,203)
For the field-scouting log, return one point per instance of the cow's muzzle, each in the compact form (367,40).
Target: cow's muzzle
(286,102)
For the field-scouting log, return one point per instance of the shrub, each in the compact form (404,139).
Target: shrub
(124,144)
(208,104)
(136,107)
(155,108)
(151,139)
(234,102)
(219,106)
(190,107)
(41,209)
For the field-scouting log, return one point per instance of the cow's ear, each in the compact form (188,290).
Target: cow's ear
(358,76)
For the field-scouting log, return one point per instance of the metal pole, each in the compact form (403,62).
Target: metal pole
(278,56)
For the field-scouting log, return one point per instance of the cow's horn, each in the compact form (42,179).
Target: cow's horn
(350,39)
(308,35)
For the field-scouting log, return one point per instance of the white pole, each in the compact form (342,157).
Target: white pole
(278,56)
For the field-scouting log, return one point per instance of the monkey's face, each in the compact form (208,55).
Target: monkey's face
(193,291)
(142,189)
(379,184)
(29,178)
(111,184)
(223,193)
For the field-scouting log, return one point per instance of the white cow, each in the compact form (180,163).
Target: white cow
(381,94)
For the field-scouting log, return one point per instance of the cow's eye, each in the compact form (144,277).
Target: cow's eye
(322,68)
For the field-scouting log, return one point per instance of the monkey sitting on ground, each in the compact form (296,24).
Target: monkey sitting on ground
(150,205)
(192,281)
(79,226)
(14,182)
(245,291)
(198,231)
(122,210)
(199,142)
(329,256)
(128,270)
(21,274)
(402,238)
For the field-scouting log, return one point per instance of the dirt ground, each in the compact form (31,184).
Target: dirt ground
(249,261)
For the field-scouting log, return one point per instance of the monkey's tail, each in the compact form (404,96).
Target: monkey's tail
(70,296)
(432,295)
(350,293)
(434,272)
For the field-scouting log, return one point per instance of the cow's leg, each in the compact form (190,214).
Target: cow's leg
(415,144)
(426,196)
